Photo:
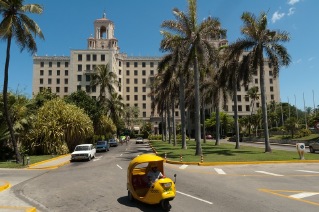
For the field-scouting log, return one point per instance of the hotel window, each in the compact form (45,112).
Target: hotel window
(144,105)
(136,97)
(135,89)
(41,72)
(102,57)
(135,73)
(152,72)
(120,80)
(246,88)
(41,88)
(272,97)
(57,89)
(127,73)
(50,72)
(66,64)
(239,88)
(135,105)
(127,64)
(58,64)
(42,64)
(79,78)
(144,89)
(144,97)
(271,89)
(93,67)
(87,78)
(152,64)
(239,98)
(135,81)
(127,97)
(240,108)
(257,104)
(49,81)
(93,88)
(78,87)
(269,65)
(79,57)
(127,89)
(247,108)
(127,81)
(270,73)
(41,81)
(66,89)
(58,72)
(120,63)
(143,72)
(79,67)
(66,72)
(58,81)
(144,81)
(66,81)
(143,64)
(50,64)
(88,57)
(247,98)
(120,72)
(144,114)
(176,113)
(226,108)
(270,81)
(256,81)
(88,67)
(135,64)
(94,57)
(87,88)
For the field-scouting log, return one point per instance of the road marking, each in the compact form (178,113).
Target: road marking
(277,175)
(303,195)
(194,197)
(121,155)
(219,171)
(97,158)
(119,166)
(183,166)
(307,171)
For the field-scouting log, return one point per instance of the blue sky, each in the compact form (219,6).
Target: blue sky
(67,24)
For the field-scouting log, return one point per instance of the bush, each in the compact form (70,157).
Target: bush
(6,153)
(302,133)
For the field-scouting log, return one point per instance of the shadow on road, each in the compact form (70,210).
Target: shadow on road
(136,204)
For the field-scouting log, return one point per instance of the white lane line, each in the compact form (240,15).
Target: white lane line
(307,171)
(119,166)
(194,197)
(277,175)
(219,171)
(183,166)
(121,154)
(303,195)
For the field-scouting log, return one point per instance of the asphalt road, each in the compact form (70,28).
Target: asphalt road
(100,185)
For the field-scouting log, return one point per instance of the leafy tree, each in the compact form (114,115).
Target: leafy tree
(262,43)
(59,127)
(291,124)
(17,25)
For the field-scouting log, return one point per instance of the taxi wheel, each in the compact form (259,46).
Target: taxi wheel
(165,205)
(311,150)
(130,196)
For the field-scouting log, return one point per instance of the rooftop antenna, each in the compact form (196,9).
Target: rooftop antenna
(104,14)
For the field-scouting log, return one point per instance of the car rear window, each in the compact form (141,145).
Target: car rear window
(100,143)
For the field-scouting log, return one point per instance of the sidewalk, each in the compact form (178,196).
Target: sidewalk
(51,163)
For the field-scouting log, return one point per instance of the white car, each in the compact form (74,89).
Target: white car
(139,140)
(83,152)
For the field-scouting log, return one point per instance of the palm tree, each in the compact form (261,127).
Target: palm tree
(262,44)
(17,25)
(253,95)
(195,38)
(105,78)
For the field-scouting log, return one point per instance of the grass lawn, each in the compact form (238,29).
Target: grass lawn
(33,159)
(225,153)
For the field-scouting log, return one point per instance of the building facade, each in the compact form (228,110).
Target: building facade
(67,74)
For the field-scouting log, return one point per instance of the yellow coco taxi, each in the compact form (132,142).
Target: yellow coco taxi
(142,189)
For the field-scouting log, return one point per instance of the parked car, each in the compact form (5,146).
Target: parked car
(139,140)
(314,146)
(113,142)
(83,152)
(102,146)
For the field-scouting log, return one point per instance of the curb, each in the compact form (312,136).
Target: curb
(26,209)
(32,166)
(5,186)
(230,163)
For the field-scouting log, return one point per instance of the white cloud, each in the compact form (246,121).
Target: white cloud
(298,61)
(277,16)
(311,58)
(291,11)
(292,2)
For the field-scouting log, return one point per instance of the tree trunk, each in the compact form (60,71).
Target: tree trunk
(197,109)
(217,120)
(169,124)
(173,122)
(182,111)
(264,105)
(203,121)
(236,114)
(5,103)
(163,128)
